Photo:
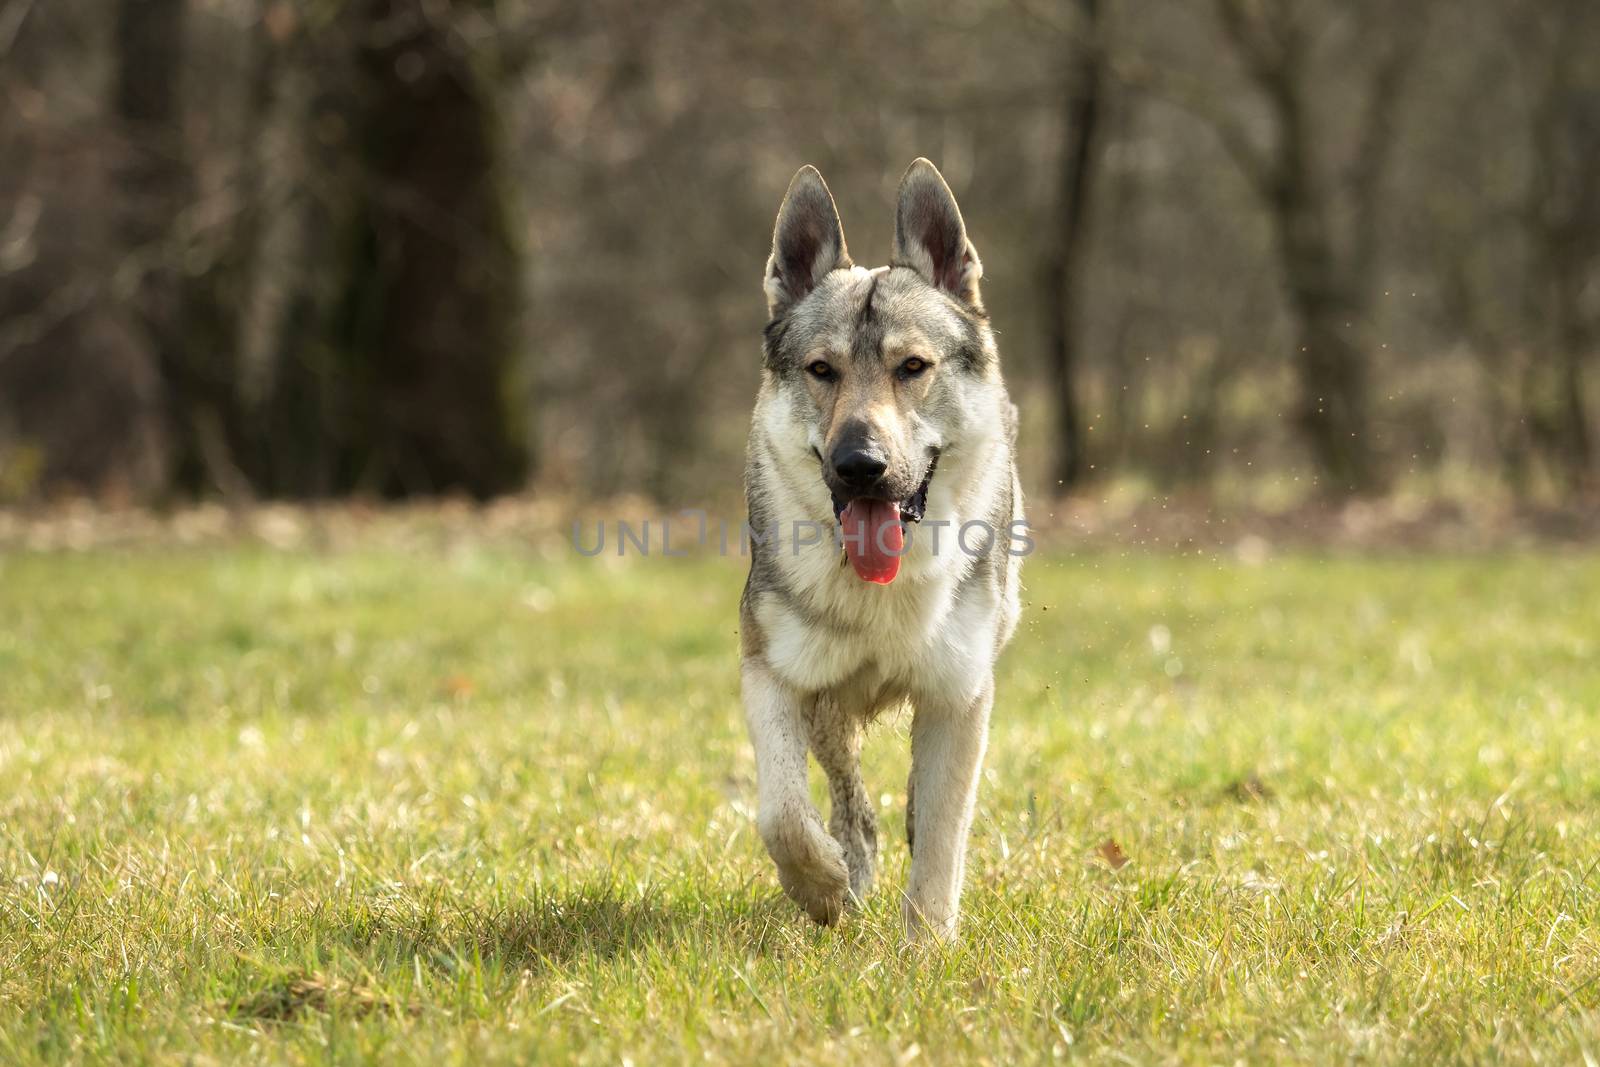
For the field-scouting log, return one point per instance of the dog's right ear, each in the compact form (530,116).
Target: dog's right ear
(807,242)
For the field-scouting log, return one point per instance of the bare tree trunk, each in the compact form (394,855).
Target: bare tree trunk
(1330,360)
(185,315)
(432,286)
(1062,269)
(152,178)
(1333,377)
(149,56)
(1329,312)
(1328,281)
(1562,216)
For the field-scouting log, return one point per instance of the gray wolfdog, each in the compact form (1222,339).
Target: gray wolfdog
(881,406)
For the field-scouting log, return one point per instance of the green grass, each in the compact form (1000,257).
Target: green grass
(480,806)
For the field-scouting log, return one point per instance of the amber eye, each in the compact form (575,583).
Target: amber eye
(820,369)
(913,367)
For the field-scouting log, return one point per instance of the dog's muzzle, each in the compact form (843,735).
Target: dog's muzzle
(912,507)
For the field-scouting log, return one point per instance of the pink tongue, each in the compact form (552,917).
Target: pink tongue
(873,539)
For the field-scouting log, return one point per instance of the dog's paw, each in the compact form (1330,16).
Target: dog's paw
(820,891)
(811,866)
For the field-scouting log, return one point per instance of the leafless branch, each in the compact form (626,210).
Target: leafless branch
(1199,101)
(1380,117)
(1265,35)
(12,16)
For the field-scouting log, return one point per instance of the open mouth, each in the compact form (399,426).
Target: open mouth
(911,509)
(873,530)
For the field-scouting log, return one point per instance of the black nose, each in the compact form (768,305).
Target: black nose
(857,467)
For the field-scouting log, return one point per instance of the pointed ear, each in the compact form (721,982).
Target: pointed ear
(807,242)
(930,238)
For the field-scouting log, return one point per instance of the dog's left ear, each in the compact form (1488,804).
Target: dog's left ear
(930,238)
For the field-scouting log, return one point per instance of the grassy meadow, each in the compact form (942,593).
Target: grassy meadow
(482,804)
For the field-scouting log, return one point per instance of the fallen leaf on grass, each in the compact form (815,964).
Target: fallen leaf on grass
(458,685)
(1112,853)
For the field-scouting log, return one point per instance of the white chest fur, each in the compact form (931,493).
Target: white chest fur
(924,629)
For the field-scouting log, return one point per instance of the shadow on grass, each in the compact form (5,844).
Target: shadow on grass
(603,924)
(549,929)
(288,997)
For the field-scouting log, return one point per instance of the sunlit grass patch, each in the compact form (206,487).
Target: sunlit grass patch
(482,806)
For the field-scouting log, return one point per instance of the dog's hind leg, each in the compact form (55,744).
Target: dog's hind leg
(811,865)
(947,743)
(836,741)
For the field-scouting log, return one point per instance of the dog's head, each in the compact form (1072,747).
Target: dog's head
(881,366)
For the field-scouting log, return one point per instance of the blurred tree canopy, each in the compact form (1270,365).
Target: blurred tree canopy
(307,248)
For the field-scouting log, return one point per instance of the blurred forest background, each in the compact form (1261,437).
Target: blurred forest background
(306,248)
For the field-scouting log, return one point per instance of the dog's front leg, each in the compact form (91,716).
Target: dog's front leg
(947,742)
(811,866)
